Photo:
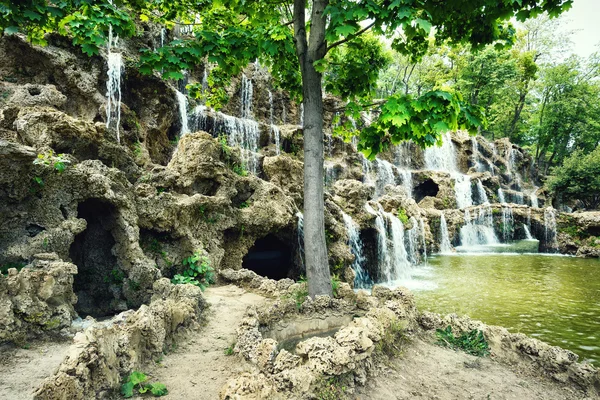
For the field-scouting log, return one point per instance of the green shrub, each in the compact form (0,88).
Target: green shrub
(137,381)
(198,272)
(229,350)
(401,213)
(392,339)
(58,162)
(335,284)
(240,169)
(472,342)
(115,276)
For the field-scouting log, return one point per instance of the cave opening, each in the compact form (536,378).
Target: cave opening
(271,257)
(99,280)
(424,189)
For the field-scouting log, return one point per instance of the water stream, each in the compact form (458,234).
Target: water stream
(113,84)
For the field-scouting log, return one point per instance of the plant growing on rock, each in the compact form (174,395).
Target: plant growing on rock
(198,272)
(472,342)
(138,381)
(58,162)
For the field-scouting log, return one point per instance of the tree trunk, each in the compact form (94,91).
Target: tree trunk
(315,248)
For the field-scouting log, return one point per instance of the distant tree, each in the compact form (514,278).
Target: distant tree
(578,179)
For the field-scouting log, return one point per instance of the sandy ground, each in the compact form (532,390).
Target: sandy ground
(198,368)
(22,370)
(428,371)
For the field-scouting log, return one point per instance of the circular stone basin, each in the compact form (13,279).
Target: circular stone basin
(289,333)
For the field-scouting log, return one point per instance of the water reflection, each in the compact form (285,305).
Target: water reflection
(555,299)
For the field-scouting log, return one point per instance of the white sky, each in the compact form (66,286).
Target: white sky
(584,19)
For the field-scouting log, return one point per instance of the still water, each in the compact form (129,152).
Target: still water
(553,298)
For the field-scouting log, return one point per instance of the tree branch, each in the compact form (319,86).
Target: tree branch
(349,38)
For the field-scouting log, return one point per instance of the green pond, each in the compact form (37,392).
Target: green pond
(553,298)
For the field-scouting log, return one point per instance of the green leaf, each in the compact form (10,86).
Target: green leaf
(137,377)
(158,389)
(345,30)
(11,30)
(127,390)
(424,24)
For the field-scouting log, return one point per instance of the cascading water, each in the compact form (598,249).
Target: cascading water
(362,279)
(445,246)
(392,256)
(113,84)
(366,169)
(423,239)
(533,198)
(182,102)
(412,241)
(527,233)
(443,158)
(501,196)
(483,199)
(205,80)
(550,228)
(478,231)
(274,133)
(302,115)
(406,177)
(246,98)
(507,223)
(385,176)
(330,174)
(240,132)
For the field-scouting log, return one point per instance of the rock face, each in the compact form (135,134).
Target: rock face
(37,299)
(103,354)
(129,212)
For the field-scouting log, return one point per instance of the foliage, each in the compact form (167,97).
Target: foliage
(333,387)
(138,381)
(155,247)
(299,294)
(472,342)
(229,350)
(198,271)
(244,204)
(240,169)
(401,214)
(5,267)
(393,339)
(58,162)
(335,284)
(578,179)
(206,215)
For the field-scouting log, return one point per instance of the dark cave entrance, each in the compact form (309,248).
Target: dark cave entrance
(426,188)
(270,257)
(99,280)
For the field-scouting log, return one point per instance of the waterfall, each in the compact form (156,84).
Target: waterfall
(243,133)
(163,32)
(182,101)
(507,224)
(462,189)
(329,138)
(300,234)
(283,112)
(483,199)
(550,228)
(302,115)
(475,151)
(113,83)
(330,174)
(403,156)
(246,98)
(274,133)
(205,80)
(445,246)
(478,231)
(443,158)
(392,256)
(533,198)
(501,196)
(423,239)
(412,240)
(406,176)
(385,176)
(527,233)
(366,169)
(519,198)
(362,279)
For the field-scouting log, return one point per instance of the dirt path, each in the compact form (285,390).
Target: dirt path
(22,370)
(199,367)
(428,371)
